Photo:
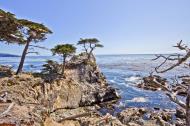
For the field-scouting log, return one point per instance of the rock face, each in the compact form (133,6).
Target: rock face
(51,122)
(84,85)
(180,113)
(92,83)
(149,84)
(96,120)
(145,117)
(130,115)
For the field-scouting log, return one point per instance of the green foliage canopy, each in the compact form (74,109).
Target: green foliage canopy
(34,30)
(89,44)
(13,30)
(88,41)
(10,28)
(64,49)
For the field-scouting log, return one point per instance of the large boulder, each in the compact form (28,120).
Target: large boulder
(67,94)
(91,81)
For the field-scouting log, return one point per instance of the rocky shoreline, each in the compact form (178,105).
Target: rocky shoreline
(173,91)
(75,100)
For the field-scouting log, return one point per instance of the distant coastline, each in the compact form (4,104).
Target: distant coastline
(7,55)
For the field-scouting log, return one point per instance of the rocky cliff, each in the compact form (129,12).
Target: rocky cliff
(29,99)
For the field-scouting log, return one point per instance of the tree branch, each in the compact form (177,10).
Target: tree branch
(41,47)
(174,57)
(182,46)
(170,94)
(7,110)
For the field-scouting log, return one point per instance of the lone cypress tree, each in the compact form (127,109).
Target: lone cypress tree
(89,45)
(64,50)
(35,33)
(22,32)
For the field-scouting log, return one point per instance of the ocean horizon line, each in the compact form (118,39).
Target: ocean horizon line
(119,54)
(122,54)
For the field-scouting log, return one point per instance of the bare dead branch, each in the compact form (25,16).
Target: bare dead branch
(179,62)
(173,57)
(7,110)
(186,65)
(170,57)
(182,46)
(179,88)
(162,86)
(174,99)
(171,94)
(177,83)
(75,116)
(41,47)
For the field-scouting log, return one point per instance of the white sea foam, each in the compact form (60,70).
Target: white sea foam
(120,104)
(112,81)
(138,99)
(38,71)
(133,79)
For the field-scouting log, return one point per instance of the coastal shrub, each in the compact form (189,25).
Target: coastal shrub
(65,51)
(50,67)
(50,71)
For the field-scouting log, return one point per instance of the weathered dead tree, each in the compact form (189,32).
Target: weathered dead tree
(174,57)
(179,59)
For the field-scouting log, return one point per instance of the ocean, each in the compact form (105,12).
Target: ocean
(122,72)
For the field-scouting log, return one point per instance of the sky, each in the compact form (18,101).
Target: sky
(122,26)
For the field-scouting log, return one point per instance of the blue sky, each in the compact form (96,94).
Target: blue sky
(123,26)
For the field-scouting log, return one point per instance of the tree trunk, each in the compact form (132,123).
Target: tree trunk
(91,50)
(19,70)
(63,66)
(188,107)
(86,50)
